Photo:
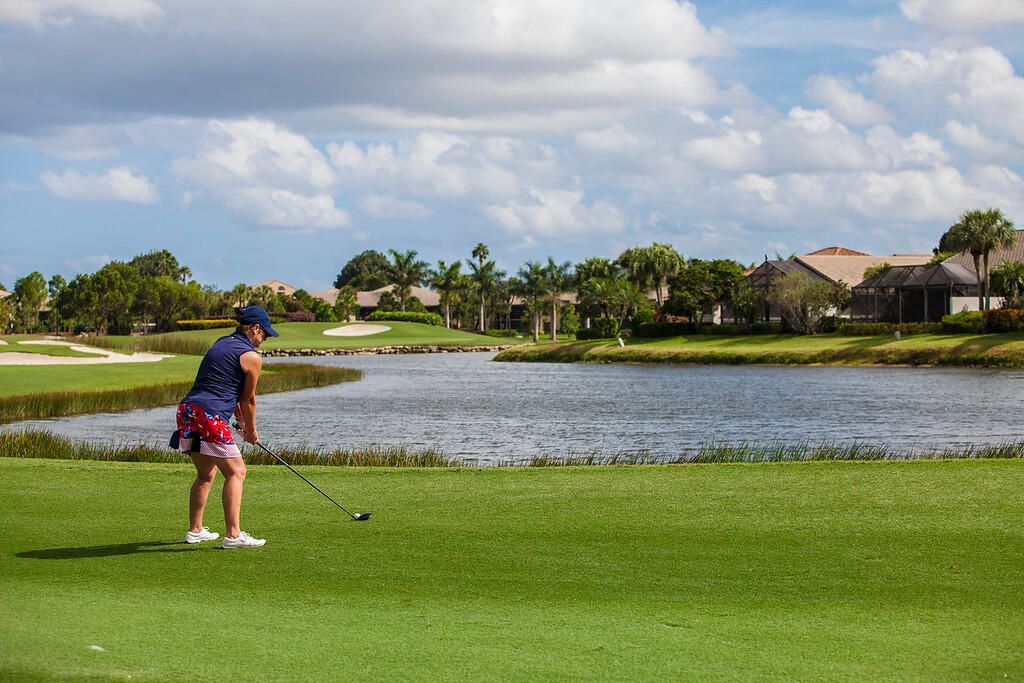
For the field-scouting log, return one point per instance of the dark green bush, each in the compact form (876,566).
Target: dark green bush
(766,328)
(876,329)
(1004,320)
(642,317)
(601,328)
(963,323)
(205,324)
(408,317)
(293,317)
(501,333)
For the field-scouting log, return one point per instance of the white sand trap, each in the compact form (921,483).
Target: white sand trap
(3,343)
(357,330)
(103,356)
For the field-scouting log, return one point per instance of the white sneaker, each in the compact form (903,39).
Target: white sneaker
(203,534)
(243,540)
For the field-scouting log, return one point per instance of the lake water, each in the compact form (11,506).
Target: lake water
(485,413)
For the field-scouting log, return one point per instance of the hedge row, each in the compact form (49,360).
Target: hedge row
(876,329)
(205,324)
(676,329)
(407,317)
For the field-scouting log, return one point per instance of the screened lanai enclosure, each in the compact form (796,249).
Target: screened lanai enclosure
(908,294)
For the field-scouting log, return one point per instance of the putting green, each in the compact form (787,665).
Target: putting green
(821,571)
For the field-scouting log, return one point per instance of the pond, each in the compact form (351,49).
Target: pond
(486,413)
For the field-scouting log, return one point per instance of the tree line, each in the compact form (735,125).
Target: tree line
(152,291)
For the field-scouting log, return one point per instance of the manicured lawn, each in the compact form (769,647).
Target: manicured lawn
(29,379)
(1006,350)
(311,336)
(14,345)
(823,571)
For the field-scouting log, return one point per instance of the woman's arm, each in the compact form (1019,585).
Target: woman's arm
(251,363)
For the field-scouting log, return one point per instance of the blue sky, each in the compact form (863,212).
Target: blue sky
(257,139)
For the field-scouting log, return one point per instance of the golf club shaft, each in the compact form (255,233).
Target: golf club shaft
(299,474)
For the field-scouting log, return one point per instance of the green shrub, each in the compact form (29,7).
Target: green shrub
(602,328)
(965,322)
(876,329)
(292,317)
(766,328)
(408,317)
(652,330)
(205,324)
(642,317)
(501,333)
(1004,320)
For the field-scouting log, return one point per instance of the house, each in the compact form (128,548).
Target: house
(831,264)
(922,293)
(276,286)
(3,294)
(369,301)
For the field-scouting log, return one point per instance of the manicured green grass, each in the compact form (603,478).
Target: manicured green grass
(823,571)
(30,379)
(994,350)
(14,345)
(311,336)
(275,378)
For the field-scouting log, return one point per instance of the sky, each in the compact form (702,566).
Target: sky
(257,140)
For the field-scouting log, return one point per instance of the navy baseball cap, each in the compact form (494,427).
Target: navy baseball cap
(254,315)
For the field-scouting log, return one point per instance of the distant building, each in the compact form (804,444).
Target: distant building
(278,287)
(832,264)
(369,301)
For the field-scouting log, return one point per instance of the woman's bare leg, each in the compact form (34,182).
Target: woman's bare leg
(233,470)
(206,470)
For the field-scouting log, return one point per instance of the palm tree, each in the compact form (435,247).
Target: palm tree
(486,276)
(663,261)
(1008,280)
(405,272)
(559,279)
(447,280)
(979,232)
(532,285)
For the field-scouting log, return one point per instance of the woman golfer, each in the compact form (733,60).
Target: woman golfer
(225,384)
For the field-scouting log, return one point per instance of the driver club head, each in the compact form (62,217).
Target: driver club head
(361,517)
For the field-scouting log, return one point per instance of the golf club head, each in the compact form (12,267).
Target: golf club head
(361,517)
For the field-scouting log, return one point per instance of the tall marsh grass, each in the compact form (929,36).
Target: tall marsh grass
(274,378)
(157,343)
(32,443)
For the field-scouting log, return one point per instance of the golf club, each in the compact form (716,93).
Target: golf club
(360,517)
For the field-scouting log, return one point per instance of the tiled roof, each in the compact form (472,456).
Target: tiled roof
(276,285)
(1014,253)
(850,269)
(837,251)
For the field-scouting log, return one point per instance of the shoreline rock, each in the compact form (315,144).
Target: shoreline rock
(382,350)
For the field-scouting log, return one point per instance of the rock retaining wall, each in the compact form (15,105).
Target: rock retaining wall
(380,350)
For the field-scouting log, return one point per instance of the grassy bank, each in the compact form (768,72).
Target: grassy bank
(982,350)
(822,571)
(307,336)
(30,403)
(45,445)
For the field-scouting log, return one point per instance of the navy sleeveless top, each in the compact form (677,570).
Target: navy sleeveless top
(220,379)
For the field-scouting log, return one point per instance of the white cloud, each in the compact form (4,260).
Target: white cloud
(81,143)
(964,15)
(848,105)
(978,84)
(283,208)
(41,13)
(982,147)
(388,206)
(116,184)
(265,172)
(917,150)
(557,214)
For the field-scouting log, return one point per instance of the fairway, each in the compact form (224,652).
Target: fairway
(822,571)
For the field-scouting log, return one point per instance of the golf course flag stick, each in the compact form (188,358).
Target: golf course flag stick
(360,517)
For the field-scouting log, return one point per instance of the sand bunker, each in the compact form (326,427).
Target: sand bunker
(3,343)
(102,356)
(357,330)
